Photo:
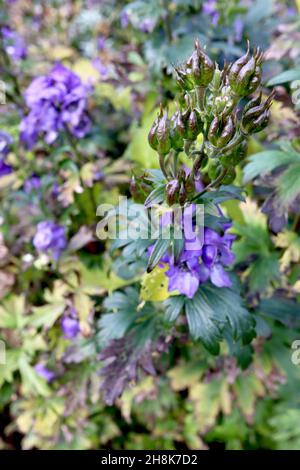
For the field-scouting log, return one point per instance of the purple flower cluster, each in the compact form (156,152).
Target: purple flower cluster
(200,261)
(5,143)
(50,237)
(14,44)
(57,102)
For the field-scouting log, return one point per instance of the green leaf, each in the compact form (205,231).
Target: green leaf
(265,162)
(31,381)
(225,193)
(284,77)
(283,310)
(289,184)
(12,312)
(159,249)
(228,307)
(156,196)
(124,306)
(263,271)
(200,317)
(46,315)
(174,306)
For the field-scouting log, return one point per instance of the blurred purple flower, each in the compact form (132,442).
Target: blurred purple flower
(14,44)
(101,40)
(33,183)
(57,101)
(5,169)
(147,25)
(50,237)
(5,142)
(100,67)
(44,372)
(70,325)
(124,19)
(210,8)
(238,27)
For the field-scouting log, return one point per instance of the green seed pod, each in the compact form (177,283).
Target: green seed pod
(245,73)
(238,64)
(190,184)
(152,136)
(182,195)
(177,131)
(221,131)
(200,68)
(252,103)
(194,125)
(255,117)
(183,79)
(172,192)
(230,176)
(163,135)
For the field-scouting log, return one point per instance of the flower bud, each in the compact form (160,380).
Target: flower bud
(163,135)
(255,115)
(152,136)
(221,130)
(200,68)
(182,194)
(194,125)
(177,131)
(245,73)
(183,79)
(172,191)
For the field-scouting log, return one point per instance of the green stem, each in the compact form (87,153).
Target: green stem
(162,165)
(214,183)
(175,162)
(73,145)
(200,92)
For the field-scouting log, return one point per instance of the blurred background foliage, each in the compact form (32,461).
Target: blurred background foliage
(57,391)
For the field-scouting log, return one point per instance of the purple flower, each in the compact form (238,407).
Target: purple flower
(70,325)
(210,9)
(4,168)
(147,25)
(57,102)
(238,27)
(101,40)
(100,67)
(14,44)
(200,260)
(124,19)
(50,237)
(5,142)
(44,372)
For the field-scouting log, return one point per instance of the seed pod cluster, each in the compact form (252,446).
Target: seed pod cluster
(208,123)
